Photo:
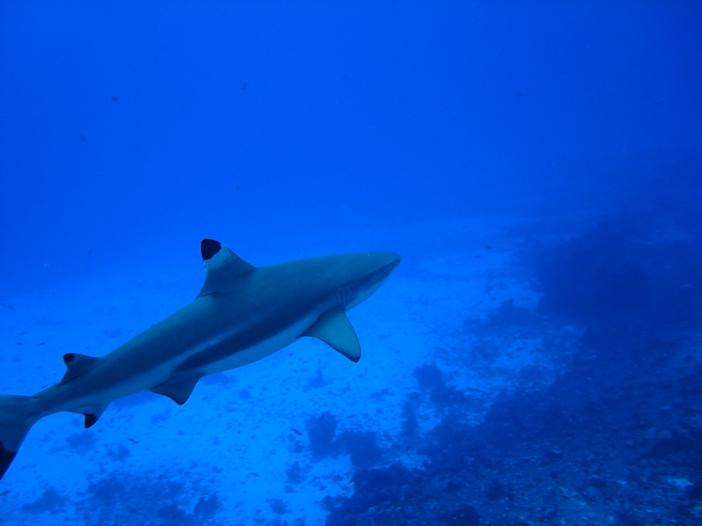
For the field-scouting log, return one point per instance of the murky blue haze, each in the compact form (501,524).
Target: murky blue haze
(536,359)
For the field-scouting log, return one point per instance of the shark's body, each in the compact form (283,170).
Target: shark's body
(241,315)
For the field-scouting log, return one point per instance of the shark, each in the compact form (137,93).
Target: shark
(242,314)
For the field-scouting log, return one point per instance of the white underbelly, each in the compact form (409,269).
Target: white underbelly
(168,369)
(264,348)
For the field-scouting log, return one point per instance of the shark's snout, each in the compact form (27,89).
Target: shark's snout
(365,272)
(386,263)
(393,260)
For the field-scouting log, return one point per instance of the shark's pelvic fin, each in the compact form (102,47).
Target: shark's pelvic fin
(335,329)
(92,414)
(177,389)
(77,364)
(223,266)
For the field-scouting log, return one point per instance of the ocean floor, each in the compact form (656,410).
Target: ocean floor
(471,405)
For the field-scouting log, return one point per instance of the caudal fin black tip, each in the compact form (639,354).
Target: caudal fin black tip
(6,458)
(16,417)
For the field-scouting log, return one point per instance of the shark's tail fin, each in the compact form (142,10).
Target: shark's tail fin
(16,418)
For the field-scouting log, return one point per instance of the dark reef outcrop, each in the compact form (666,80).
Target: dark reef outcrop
(615,439)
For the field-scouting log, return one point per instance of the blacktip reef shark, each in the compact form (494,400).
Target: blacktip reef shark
(243,313)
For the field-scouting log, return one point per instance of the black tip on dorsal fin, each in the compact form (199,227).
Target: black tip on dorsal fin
(209,247)
(77,364)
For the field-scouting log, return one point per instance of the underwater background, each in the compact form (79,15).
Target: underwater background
(536,359)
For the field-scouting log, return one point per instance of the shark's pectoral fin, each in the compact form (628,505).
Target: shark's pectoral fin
(177,389)
(223,266)
(77,364)
(335,329)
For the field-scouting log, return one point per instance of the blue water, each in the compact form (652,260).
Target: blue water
(534,360)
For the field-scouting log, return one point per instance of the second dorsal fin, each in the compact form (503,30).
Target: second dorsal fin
(223,266)
(76,365)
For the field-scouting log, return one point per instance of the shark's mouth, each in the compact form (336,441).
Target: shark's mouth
(381,273)
(354,292)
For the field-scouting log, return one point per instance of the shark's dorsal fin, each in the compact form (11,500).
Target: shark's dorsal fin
(177,389)
(223,266)
(335,329)
(76,365)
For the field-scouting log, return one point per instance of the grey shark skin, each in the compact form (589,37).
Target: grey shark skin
(242,314)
